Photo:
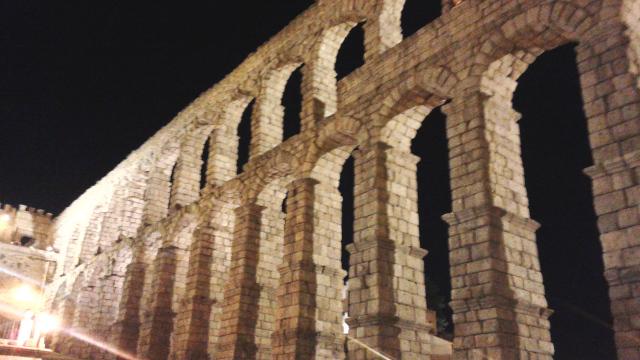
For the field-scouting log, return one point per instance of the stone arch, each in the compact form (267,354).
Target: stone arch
(486,95)
(268,260)
(344,131)
(185,187)
(323,89)
(267,124)
(225,141)
(86,312)
(70,307)
(73,248)
(137,308)
(391,23)
(406,106)
(167,286)
(181,238)
(512,46)
(158,191)
(92,235)
(57,307)
(280,165)
(219,224)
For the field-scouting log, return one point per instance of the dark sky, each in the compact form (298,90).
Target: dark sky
(83,83)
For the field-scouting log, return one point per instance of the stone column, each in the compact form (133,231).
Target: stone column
(223,155)
(387,300)
(156,329)
(308,316)
(497,295)
(127,327)
(108,296)
(608,65)
(186,181)
(295,332)
(237,338)
(192,321)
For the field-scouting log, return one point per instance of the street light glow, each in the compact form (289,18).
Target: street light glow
(5,218)
(48,323)
(25,294)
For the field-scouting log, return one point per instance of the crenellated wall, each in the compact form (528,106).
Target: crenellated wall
(162,269)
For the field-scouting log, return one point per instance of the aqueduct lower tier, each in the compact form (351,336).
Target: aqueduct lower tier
(157,267)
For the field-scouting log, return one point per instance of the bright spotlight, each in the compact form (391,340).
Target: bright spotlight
(48,323)
(5,218)
(25,294)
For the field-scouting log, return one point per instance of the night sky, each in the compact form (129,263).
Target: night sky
(84,83)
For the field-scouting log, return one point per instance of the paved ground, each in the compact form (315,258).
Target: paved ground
(9,352)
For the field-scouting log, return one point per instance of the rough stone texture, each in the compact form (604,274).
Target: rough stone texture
(158,267)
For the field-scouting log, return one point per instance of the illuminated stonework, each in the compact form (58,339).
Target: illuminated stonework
(158,268)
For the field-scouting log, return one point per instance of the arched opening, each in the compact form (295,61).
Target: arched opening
(346,190)
(340,52)
(244,137)
(292,103)
(204,158)
(555,150)
(172,182)
(434,200)
(418,13)
(27,241)
(351,53)
(269,258)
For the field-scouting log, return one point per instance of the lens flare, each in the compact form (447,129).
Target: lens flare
(20,276)
(48,323)
(100,344)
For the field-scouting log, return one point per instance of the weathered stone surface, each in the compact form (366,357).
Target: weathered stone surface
(161,268)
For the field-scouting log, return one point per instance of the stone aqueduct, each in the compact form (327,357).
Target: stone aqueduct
(160,269)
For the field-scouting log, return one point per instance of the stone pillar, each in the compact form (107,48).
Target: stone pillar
(86,312)
(158,192)
(497,295)
(192,321)
(237,338)
(295,333)
(185,188)
(387,300)
(223,156)
(126,330)
(617,196)
(108,296)
(609,76)
(307,306)
(156,328)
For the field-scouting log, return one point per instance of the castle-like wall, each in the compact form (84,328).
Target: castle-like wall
(25,226)
(162,269)
(26,259)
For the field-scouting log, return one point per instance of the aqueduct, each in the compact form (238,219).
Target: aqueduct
(160,268)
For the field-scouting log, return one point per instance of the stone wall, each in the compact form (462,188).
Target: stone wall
(26,256)
(25,226)
(158,267)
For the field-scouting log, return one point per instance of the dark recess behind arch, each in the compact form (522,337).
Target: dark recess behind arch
(555,150)
(351,53)
(292,102)
(434,200)
(346,189)
(204,156)
(244,137)
(418,13)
